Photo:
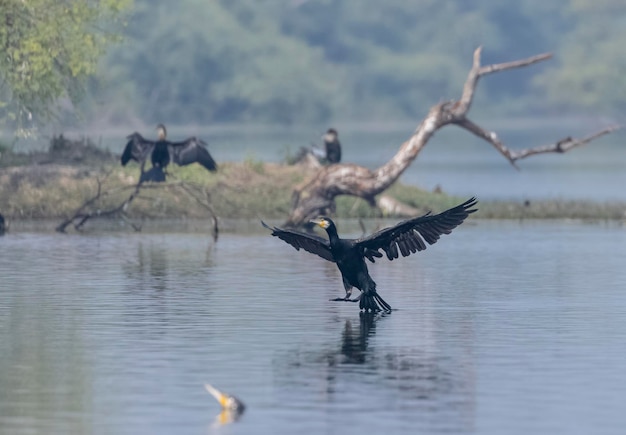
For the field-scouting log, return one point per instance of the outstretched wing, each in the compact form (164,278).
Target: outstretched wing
(309,242)
(408,237)
(137,149)
(191,151)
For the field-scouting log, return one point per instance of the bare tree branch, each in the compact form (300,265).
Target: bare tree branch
(188,188)
(478,71)
(88,209)
(317,195)
(81,216)
(497,67)
(562,145)
(490,137)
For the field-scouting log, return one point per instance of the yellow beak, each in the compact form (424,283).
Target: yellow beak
(321,222)
(219,396)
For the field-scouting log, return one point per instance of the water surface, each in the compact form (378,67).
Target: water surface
(500,328)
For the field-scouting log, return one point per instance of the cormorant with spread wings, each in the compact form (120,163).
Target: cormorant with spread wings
(405,238)
(162,152)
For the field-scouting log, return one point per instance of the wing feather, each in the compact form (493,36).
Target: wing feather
(137,149)
(192,150)
(309,242)
(411,236)
(370,254)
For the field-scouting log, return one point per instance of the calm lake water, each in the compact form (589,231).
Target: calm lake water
(501,328)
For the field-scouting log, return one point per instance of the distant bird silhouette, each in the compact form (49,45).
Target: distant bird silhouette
(405,238)
(162,152)
(332,146)
(3,225)
(232,408)
(331,153)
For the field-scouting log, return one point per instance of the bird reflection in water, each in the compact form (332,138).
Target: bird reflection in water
(232,407)
(432,378)
(354,342)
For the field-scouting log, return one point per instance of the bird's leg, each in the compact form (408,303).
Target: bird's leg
(347,297)
(357,299)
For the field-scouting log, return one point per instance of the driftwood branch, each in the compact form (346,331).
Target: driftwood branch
(203,197)
(88,210)
(478,71)
(488,136)
(83,214)
(562,145)
(317,195)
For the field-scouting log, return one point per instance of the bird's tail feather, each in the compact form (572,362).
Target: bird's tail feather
(155,174)
(372,301)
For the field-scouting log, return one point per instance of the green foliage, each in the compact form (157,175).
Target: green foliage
(297,62)
(47,49)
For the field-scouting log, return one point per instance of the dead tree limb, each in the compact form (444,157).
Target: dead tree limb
(83,213)
(197,193)
(89,209)
(317,196)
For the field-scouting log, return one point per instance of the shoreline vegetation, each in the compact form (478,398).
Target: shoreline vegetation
(51,186)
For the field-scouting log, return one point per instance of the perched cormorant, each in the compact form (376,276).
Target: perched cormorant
(332,146)
(405,238)
(3,225)
(162,152)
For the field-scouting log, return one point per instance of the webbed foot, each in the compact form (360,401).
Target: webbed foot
(347,299)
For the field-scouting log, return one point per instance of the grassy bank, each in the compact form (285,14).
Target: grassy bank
(250,189)
(52,185)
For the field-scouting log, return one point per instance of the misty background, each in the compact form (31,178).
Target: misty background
(318,62)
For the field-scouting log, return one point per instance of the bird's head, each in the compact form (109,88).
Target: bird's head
(331,135)
(161,132)
(228,402)
(325,223)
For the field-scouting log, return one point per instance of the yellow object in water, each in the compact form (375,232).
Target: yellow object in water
(232,407)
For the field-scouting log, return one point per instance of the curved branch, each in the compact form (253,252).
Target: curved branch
(89,210)
(489,136)
(317,195)
(563,145)
(206,203)
(81,216)
(477,71)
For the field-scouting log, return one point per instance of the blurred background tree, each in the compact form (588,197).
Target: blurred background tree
(310,61)
(591,60)
(48,49)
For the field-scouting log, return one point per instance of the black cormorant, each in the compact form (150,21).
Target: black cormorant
(332,146)
(3,225)
(162,152)
(405,238)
